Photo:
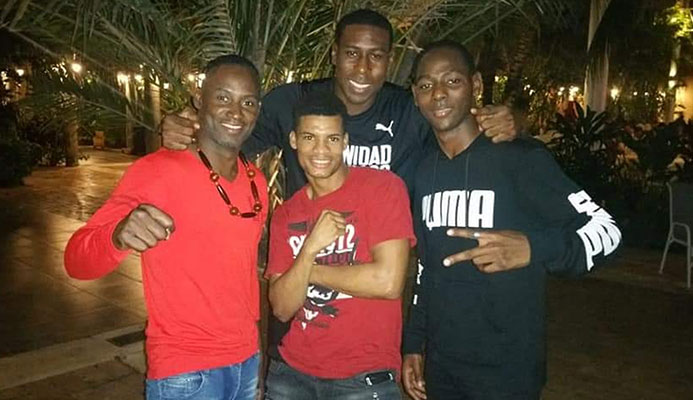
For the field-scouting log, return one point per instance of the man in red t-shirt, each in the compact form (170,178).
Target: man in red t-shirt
(338,255)
(197,217)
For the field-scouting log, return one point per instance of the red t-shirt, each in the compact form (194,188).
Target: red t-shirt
(336,335)
(201,285)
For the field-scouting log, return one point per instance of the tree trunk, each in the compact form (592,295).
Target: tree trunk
(129,132)
(403,71)
(513,86)
(488,64)
(153,99)
(71,137)
(597,76)
(258,48)
(597,82)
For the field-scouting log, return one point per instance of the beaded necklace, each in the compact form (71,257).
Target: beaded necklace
(214,177)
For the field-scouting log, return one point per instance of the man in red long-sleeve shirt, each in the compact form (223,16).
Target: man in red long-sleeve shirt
(197,217)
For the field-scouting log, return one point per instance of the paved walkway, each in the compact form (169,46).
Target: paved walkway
(624,333)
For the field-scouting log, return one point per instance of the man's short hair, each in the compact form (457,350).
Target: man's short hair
(467,57)
(232,59)
(319,103)
(364,16)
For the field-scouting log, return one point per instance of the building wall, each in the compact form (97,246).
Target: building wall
(684,99)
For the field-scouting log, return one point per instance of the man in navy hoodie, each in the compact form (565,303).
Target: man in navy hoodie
(492,222)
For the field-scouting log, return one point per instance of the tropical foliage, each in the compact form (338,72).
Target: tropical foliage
(164,41)
(625,166)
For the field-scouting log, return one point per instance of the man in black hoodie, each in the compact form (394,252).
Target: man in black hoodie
(492,221)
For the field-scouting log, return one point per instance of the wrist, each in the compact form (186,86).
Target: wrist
(115,237)
(316,274)
(308,252)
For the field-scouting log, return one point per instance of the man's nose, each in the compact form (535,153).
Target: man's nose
(234,110)
(439,92)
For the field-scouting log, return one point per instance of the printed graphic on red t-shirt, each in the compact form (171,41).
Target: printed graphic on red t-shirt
(320,300)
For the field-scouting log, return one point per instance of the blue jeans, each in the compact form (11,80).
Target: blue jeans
(233,382)
(286,383)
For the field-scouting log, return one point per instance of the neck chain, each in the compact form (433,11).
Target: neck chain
(214,177)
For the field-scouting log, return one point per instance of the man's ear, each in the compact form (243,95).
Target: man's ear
(292,139)
(477,87)
(197,99)
(346,140)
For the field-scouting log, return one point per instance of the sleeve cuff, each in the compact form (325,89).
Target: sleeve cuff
(412,344)
(113,252)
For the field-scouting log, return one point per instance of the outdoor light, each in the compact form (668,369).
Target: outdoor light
(191,77)
(166,85)
(199,79)
(76,67)
(614,92)
(139,78)
(123,78)
(20,72)
(573,91)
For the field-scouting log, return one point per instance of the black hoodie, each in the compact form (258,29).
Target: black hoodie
(492,326)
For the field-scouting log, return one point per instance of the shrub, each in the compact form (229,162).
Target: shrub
(17,158)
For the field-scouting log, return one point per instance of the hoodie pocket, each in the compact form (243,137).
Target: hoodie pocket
(463,323)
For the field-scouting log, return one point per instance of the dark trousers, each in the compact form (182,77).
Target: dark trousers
(449,382)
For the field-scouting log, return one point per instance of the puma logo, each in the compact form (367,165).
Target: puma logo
(388,129)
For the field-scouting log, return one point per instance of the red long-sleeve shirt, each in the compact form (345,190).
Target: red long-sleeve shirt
(201,285)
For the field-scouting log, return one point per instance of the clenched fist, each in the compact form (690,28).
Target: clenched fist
(327,229)
(142,229)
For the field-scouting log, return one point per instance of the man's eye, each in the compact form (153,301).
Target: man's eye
(307,137)
(335,139)
(455,81)
(351,53)
(424,86)
(223,98)
(249,103)
(377,56)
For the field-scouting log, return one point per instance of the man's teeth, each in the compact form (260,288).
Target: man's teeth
(441,112)
(360,85)
(231,126)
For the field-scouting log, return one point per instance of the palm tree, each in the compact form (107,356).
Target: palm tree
(163,42)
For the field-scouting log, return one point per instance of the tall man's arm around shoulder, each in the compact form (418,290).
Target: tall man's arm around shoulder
(497,122)
(126,222)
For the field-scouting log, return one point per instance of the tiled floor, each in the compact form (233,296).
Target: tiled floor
(624,333)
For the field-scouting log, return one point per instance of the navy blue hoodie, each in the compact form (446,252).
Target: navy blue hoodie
(491,327)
